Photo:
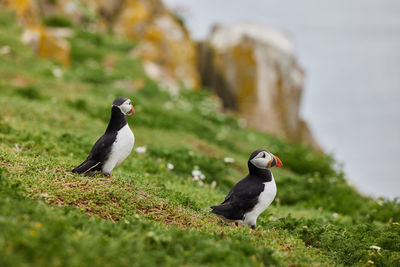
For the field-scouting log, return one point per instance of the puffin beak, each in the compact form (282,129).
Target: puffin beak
(276,162)
(132,111)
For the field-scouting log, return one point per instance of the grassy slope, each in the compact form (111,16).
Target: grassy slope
(146,214)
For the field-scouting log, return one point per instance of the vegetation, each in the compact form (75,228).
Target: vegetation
(149,213)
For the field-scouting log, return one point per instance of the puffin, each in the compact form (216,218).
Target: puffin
(253,194)
(116,143)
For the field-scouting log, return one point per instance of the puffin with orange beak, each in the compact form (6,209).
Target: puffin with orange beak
(116,143)
(253,194)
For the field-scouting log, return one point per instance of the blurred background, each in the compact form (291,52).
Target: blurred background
(350,53)
(322,73)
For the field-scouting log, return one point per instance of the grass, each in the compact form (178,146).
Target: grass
(147,214)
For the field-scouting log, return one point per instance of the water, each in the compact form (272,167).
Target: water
(351,53)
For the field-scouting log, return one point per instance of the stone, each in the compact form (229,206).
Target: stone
(27,11)
(253,68)
(164,45)
(47,45)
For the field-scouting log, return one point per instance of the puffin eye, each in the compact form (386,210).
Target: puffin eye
(263,156)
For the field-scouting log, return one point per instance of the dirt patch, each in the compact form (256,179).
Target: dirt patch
(112,200)
(160,210)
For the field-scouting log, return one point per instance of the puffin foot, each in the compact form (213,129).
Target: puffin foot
(108,175)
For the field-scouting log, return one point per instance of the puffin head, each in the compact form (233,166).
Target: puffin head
(262,159)
(125,105)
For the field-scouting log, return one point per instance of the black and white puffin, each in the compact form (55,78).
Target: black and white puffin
(116,143)
(253,194)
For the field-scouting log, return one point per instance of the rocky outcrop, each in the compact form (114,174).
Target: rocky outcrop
(168,53)
(253,69)
(45,42)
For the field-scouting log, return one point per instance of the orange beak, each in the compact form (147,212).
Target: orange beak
(278,162)
(132,112)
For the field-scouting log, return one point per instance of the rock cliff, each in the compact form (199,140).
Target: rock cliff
(253,68)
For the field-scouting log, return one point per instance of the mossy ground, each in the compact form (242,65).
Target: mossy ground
(147,214)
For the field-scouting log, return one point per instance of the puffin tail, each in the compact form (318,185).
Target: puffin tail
(224,210)
(87,166)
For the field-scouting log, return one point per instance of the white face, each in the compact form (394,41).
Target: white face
(263,160)
(126,107)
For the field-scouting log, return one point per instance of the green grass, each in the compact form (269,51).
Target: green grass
(146,214)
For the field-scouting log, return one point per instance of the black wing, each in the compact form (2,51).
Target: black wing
(102,148)
(98,154)
(88,166)
(242,198)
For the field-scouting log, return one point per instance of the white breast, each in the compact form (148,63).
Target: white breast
(120,149)
(264,200)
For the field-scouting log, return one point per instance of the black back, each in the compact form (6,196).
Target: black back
(102,148)
(117,120)
(244,195)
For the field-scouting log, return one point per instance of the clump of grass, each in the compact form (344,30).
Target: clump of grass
(30,92)
(185,161)
(57,21)
(350,243)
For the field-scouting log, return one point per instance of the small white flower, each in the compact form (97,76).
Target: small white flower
(335,215)
(213,184)
(196,173)
(4,50)
(201,183)
(57,72)
(170,166)
(202,176)
(195,178)
(375,247)
(229,160)
(272,218)
(380,202)
(168,105)
(141,150)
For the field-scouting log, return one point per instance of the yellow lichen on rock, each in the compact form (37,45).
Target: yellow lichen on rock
(162,42)
(254,70)
(46,45)
(133,21)
(164,45)
(55,48)
(245,74)
(27,11)
(42,40)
